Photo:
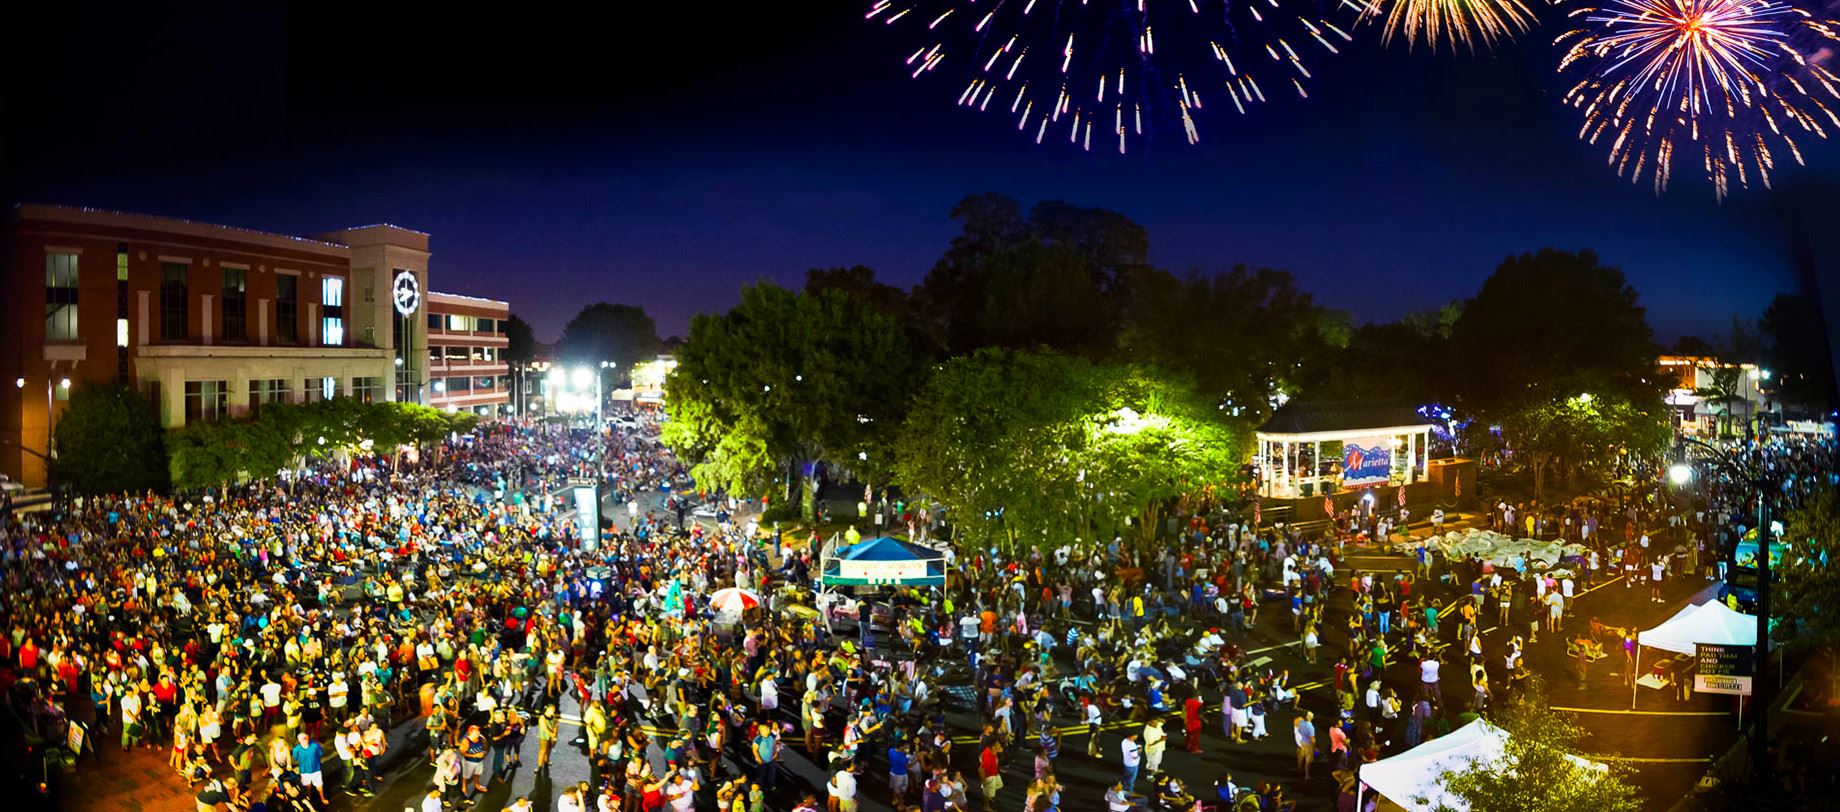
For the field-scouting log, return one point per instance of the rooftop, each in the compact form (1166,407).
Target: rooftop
(1311,416)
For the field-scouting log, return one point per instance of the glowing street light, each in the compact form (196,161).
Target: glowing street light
(1680,473)
(64,384)
(583,377)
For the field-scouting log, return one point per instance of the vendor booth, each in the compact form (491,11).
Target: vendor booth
(1411,780)
(1710,623)
(883,561)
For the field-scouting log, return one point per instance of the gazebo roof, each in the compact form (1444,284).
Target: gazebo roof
(1315,416)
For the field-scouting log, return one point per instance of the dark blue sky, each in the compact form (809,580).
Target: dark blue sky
(667,157)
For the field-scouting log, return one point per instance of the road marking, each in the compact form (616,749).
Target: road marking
(1627,712)
(1275,648)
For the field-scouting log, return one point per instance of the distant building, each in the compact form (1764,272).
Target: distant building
(466,354)
(209,320)
(1710,397)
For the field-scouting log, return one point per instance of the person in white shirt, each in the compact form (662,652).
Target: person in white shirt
(842,789)
(432,801)
(1131,755)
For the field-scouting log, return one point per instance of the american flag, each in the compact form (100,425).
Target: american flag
(1329,506)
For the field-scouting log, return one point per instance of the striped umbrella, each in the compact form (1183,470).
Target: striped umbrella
(733,599)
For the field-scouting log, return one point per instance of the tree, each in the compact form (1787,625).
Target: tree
(1245,336)
(622,334)
(1538,769)
(858,281)
(1056,280)
(1809,580)
(110,441)
(1032,447)
(1583,432)
(1548,325)
(1795,334)
(783,379)
(521,345)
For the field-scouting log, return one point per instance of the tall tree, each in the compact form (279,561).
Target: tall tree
(622,334)
(858,281)
(1034,448)
(1810,581)
(1795,331)
(1055,280)
(110,441)
(1245,336)
(784,379)
(521,345)
(1548,325)
(1582,433)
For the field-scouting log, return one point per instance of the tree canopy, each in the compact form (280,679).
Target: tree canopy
(219,452)
(1053,280)
(1244,336)
(1552,324)
(622,334)
(521,345)
(1034,447)
(786,378)
(109,441)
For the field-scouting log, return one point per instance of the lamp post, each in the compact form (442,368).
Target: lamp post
(1757,481)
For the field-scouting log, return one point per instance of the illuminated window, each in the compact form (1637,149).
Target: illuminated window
(206,400)
(332,311)
(61,297)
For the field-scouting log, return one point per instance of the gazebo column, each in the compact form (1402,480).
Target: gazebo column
(1316,465)
(1411,458)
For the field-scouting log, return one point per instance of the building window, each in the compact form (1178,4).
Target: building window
(121,332)
(459,385)
(320,388)
(434,321)
(455,353)
(121,262)
(483,383)
(236,307)
(485,325)
(367,390)
(272,390)
(60,297)
(206,400)
(175,286)
(458,323)
(287,308)
(332,311)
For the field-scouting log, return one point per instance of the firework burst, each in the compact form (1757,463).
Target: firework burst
(1106,70)
(1452,21)
(1723,83)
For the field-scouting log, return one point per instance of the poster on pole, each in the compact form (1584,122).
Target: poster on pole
(1724,669)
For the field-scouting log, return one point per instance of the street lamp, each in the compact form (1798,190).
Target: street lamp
(1680,473)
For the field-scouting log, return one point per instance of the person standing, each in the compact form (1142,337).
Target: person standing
(1130,754)
(473,747)
(1094,720)
(547,726)
(1191,722)
(990,773)
(1155,743)
(1305,731)
(307,756)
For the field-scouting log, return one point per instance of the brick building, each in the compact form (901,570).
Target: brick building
(466,354)
(207,320)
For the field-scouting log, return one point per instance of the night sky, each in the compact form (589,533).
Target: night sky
(663,158)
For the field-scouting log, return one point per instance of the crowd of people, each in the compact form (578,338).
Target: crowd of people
(271,639)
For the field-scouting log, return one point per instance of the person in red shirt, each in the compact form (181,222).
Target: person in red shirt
(28,656)
(991,774)
(1191,723)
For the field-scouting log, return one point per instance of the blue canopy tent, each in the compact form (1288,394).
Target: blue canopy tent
(884,561)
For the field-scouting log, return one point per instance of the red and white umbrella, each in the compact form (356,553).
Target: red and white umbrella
(733,599)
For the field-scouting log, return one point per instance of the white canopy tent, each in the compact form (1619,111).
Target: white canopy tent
(1411,779)
(1413,774)
(1711,622)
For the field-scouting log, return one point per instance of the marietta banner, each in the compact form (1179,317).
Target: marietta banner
(1364,464)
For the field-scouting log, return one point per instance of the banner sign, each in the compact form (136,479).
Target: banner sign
(1724,669)
(1367,464)
(881,571)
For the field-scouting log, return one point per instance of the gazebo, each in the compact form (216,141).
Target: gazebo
(1312,449)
